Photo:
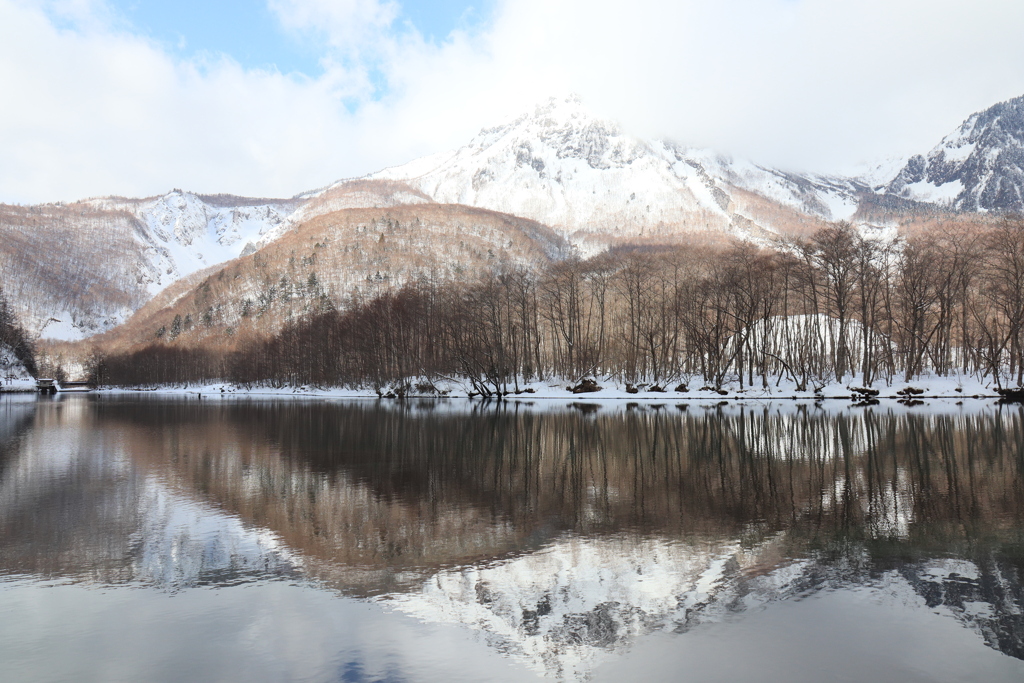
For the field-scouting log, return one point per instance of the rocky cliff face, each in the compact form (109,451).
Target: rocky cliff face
(978,167)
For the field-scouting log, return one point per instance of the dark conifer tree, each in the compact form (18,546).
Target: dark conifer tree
(14,336)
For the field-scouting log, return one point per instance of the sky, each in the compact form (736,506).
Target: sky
(277,97)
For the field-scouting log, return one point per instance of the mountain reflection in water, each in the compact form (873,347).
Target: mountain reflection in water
(558,534)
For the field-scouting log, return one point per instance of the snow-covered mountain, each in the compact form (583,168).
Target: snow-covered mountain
(76,269)
(563,166)
(978,167)
(559,165)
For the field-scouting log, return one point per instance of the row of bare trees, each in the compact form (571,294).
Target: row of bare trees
(839,306)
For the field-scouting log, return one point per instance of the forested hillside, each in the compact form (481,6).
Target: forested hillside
(70,270)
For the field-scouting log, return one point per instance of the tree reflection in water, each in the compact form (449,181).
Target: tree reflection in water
(560,533)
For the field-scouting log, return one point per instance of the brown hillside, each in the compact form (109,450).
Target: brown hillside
(60,260)
(328,261)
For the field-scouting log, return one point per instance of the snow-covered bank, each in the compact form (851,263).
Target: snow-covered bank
(13,375)
(928,387)
(17,386)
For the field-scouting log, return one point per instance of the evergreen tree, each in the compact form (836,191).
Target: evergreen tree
(13,336)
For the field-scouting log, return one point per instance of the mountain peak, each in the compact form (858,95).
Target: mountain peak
(564,166)
(555,112)
(565,126)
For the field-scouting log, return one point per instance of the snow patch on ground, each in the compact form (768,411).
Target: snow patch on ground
(924,191)
(959,153)
(879,174)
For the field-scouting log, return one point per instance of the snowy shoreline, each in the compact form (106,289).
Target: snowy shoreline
(924,388)
(18,386)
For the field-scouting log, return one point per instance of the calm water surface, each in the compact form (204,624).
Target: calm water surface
(232,540)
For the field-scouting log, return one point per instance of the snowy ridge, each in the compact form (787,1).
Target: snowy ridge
(828,197)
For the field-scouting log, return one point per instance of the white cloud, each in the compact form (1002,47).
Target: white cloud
(814,84)
(93,111)
(801,83)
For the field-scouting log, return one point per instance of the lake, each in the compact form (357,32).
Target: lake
(171,539)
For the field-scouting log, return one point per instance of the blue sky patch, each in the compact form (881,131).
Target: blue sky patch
(250,33)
